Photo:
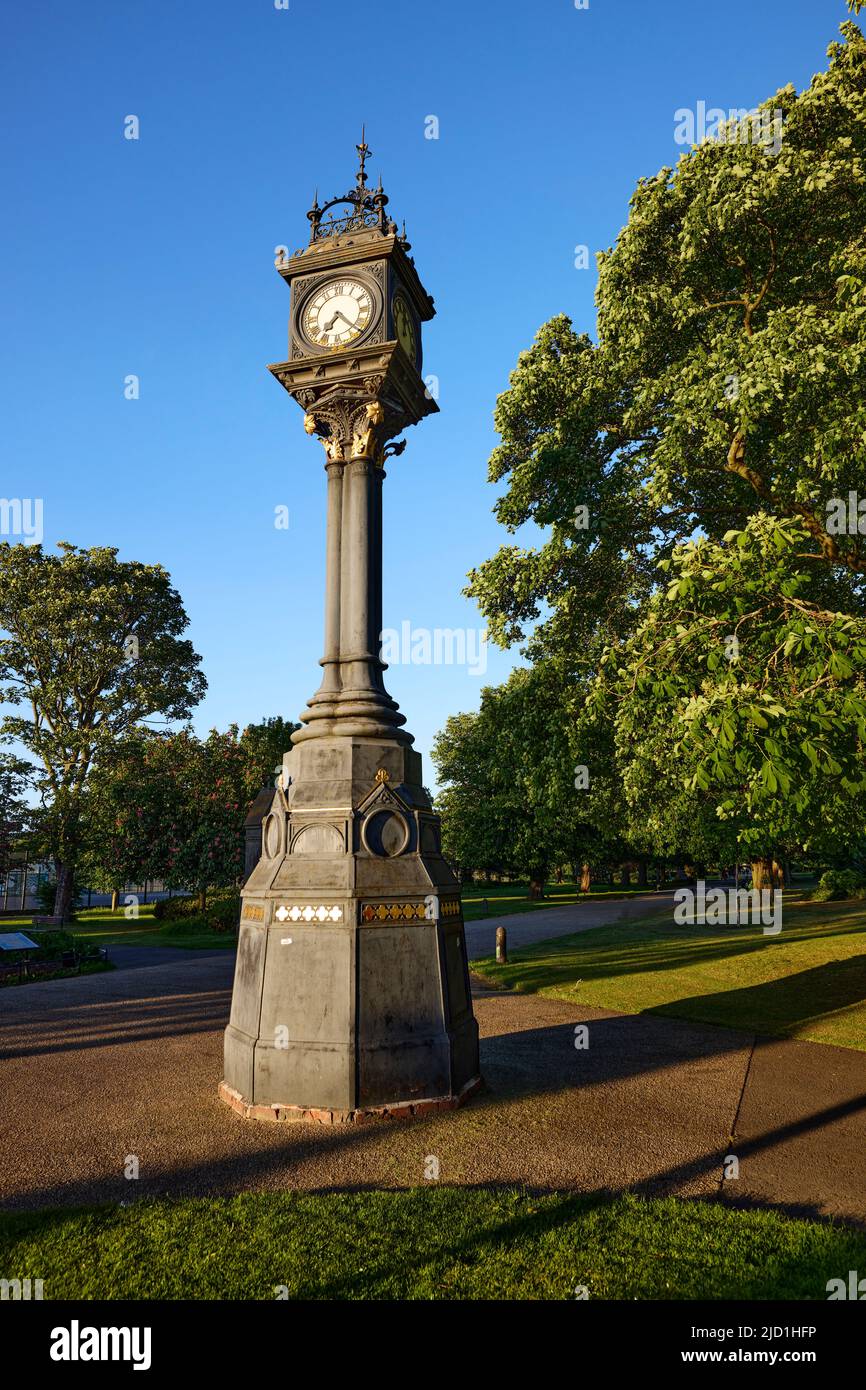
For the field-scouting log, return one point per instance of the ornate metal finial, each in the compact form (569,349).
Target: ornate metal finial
(379,201)
(363,151)
(357,211)
(315,217)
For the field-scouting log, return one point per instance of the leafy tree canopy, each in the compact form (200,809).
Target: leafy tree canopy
(264,745)
(90,647)
(729,373)
(715,430)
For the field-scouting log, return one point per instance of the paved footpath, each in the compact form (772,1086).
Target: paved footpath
(134,957)
(543,924)
(98,1067)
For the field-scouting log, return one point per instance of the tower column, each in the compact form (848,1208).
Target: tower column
(360,625)
(322,703)
(352,698)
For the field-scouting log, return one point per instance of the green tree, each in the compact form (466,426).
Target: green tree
(170,806)
(264,745)
(131,802)
(726,394)
(203,847)
(510,798)
(15,778)
(747,678)
(90,646)
(729,373)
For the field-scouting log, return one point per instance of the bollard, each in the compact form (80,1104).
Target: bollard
(501,947)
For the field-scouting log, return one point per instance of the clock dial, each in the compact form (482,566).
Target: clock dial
(337,313)
(404,326)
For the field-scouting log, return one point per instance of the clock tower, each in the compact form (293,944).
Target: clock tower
(351,995)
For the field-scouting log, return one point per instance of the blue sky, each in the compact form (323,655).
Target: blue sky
(155,257)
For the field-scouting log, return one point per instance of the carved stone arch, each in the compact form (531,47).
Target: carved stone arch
(321,837)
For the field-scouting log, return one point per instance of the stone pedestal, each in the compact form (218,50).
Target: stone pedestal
(351,993)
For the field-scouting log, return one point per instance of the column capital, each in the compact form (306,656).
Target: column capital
(350,429)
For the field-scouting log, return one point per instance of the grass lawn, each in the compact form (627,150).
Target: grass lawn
(90,967)
(808,982)
(430,1243)
(505,898)
(102,927)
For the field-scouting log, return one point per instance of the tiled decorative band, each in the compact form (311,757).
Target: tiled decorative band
(309,912)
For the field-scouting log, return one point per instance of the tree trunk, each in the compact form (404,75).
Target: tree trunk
(557,873)
(536,884)
(202,899)
(625,876)
(762,872)
(64,895)
(585,877)
(641,873)
(115,898)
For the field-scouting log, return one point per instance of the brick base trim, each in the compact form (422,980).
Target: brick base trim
(297,1114)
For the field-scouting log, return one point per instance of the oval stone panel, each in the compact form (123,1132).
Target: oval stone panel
(386,833)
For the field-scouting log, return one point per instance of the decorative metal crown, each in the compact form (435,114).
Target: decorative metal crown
(366,210)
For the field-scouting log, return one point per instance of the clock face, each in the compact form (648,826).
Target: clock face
(404,325)
(337,313)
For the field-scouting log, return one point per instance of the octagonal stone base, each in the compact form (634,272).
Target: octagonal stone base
(351,994)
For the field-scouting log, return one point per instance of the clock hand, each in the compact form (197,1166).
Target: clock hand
(337,315)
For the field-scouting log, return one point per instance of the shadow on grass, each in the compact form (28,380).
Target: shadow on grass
(639,947)
(442,1242)
(780,1007)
